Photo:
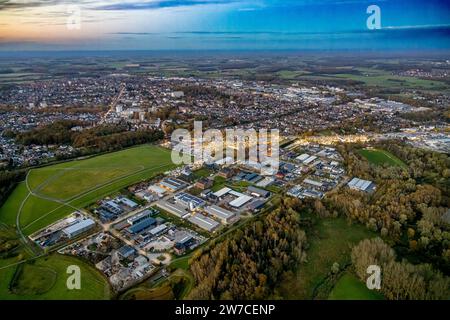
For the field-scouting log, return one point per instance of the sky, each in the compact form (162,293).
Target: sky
(223,25)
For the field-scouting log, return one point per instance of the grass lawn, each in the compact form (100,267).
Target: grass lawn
(330,241)
(380,157)
(45,279)
(219,183)
(349,287)
(80,183)
(33,280)
(181,263)
(202,173)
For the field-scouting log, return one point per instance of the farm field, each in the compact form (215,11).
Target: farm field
(380,157)
(45,279)
(330,240)
(50,193)
(348,287)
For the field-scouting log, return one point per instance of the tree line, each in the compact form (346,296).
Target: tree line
(400,280)
(89,140)
(251,262)
(8,180)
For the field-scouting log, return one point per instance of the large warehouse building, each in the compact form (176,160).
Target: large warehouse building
(361,185)
(78,228)
(221,214)
(204,222)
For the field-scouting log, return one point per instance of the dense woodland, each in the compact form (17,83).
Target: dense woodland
(400,279)
(410,205)
(88,140)
(249,264)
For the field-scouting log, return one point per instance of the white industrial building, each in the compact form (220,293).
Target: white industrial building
(361,185)
(225,216)
(204,222)
(78,228)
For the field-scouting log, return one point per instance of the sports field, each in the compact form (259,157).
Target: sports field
(50,193)
(380,157)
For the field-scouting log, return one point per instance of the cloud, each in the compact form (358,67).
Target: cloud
(147,5)
(18,4)
(134,33)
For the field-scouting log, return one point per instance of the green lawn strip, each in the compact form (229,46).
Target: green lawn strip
(348,287)
(8,211)
(202,173)
(181,262)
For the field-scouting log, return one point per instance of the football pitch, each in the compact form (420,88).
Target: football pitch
(50,193)
(380,157)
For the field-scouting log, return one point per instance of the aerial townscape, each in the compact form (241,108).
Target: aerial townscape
(88,176)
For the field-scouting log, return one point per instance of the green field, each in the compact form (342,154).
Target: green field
(50,193)
(181,263)
(45,279)
(380,157)
(202,173)
(330,241)
(349,287)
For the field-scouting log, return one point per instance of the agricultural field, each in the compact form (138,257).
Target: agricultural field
(50,193)
(348,287)
(380,157)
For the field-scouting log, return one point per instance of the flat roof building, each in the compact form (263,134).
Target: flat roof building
(112,207)
(140,216)
(302,157)
(128,202)
(220,213)
(78,228)
(265,182)
(309,159)
(313,182)
(258,192)
(240,201)
(221,192)
(256,205)
(141,226)
(204,222)
(126,251)
(189,200)
(361,185)
(172,184)
(172,208)
(159,229)
(156,189)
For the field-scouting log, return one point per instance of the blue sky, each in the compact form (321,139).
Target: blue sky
(222,25)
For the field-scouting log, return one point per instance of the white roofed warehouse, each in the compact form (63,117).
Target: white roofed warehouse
(204,222)
(78,228)
(361,185)
(221,214)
